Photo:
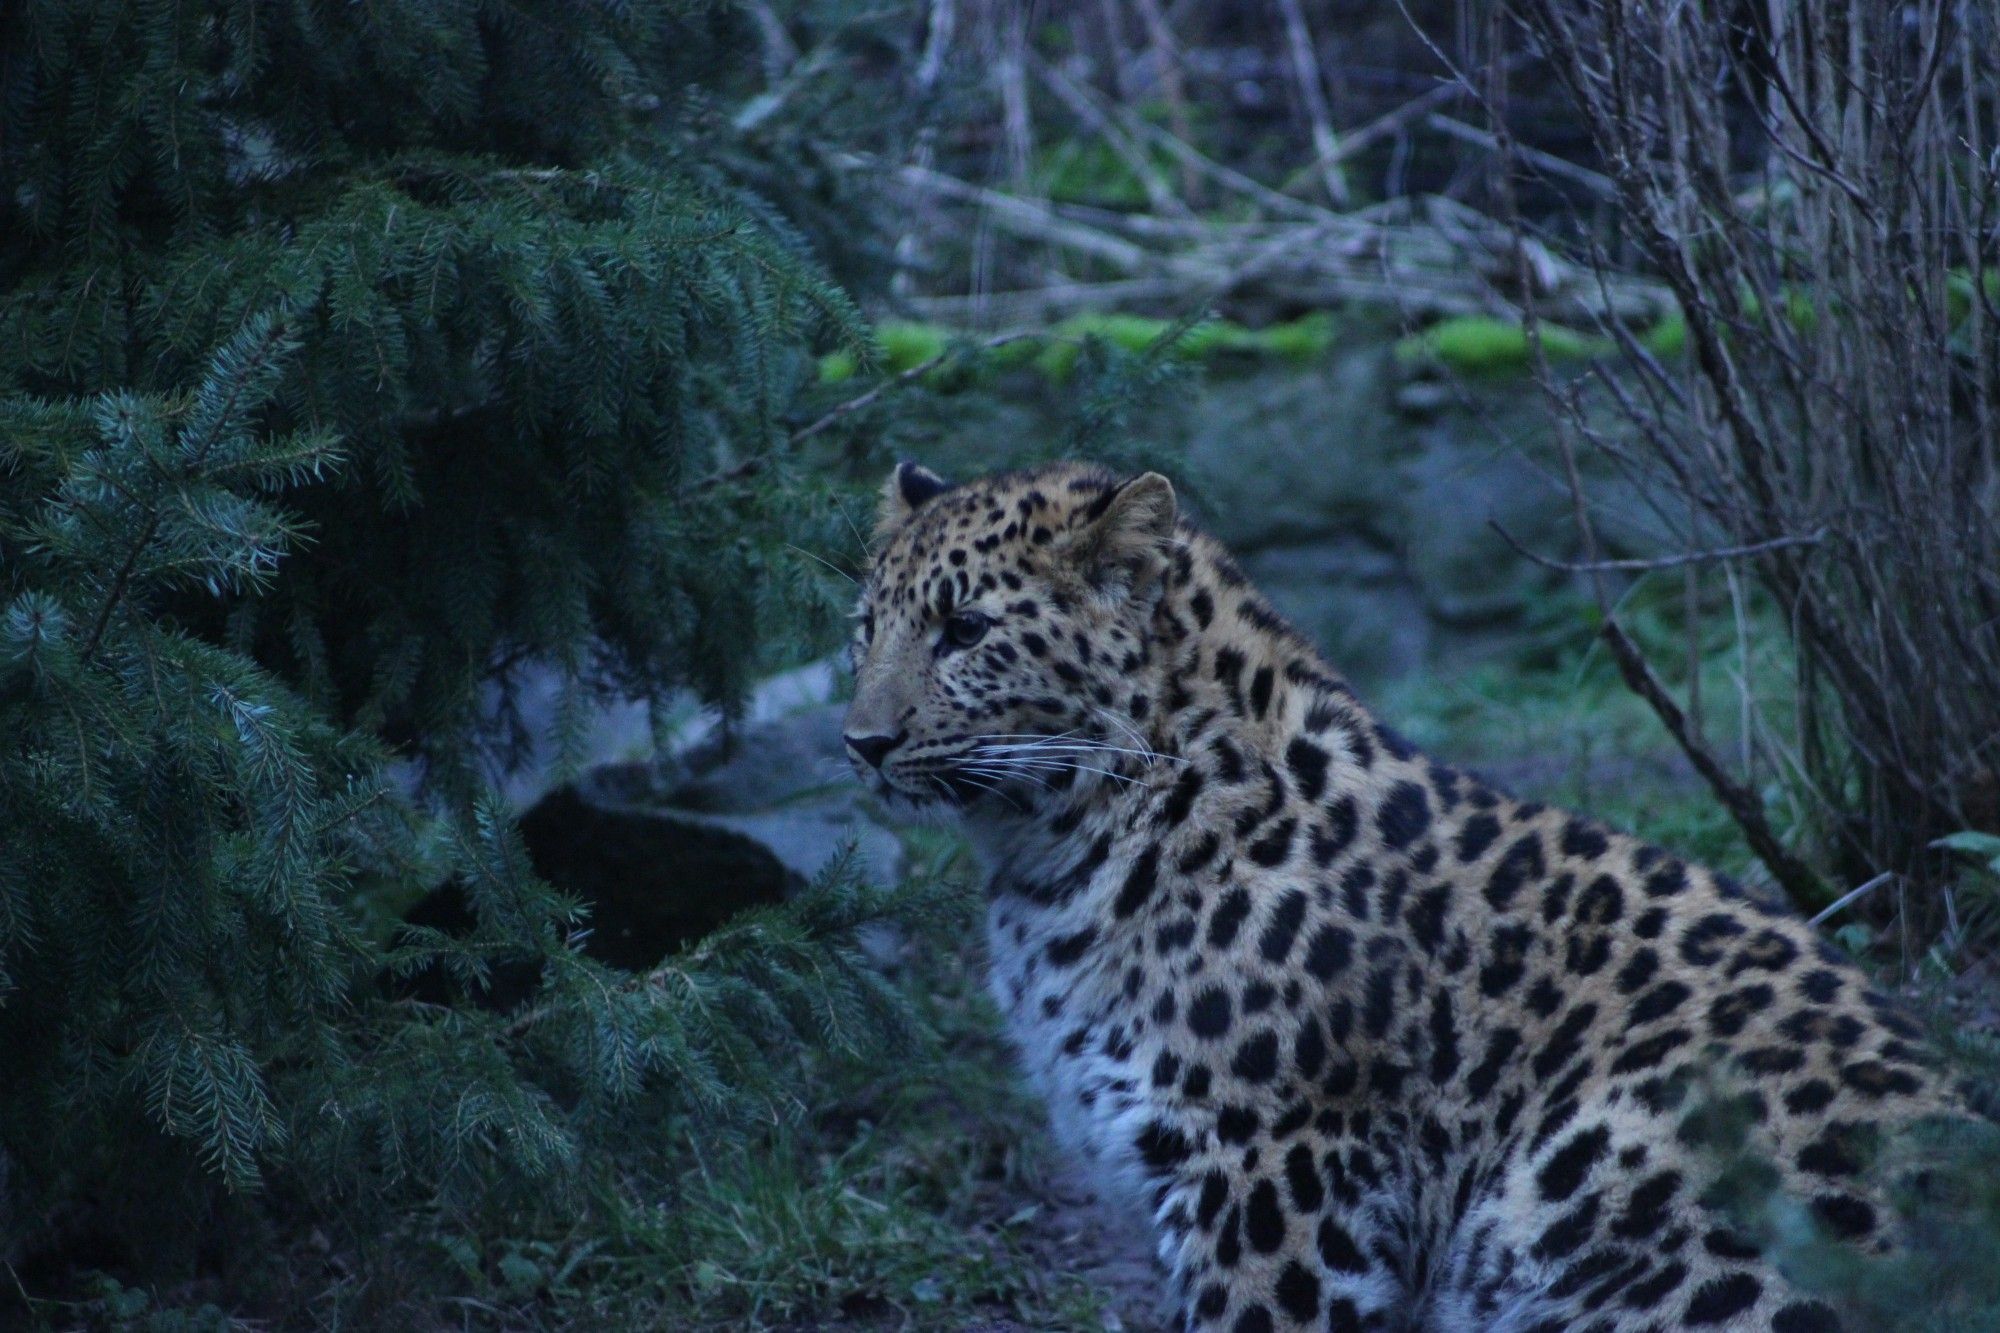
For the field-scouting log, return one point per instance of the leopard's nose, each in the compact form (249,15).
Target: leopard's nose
(874,749)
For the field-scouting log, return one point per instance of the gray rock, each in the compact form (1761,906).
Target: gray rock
(807,837)
(783,781)
(1452,490)
(1288,455)
(783,759)
(1355,601)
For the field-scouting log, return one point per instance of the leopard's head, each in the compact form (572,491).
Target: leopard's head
(1003,645)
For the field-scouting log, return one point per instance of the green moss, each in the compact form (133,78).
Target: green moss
(837,367)
(1484,345)
(1130,333)
(904,344)
(1668,338)
(907,345)
(1959,288)
(1300,339)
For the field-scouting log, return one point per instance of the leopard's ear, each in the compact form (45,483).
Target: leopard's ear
(1127,531)
(908,488)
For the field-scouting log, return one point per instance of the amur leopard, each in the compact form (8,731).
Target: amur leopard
(1372,1045)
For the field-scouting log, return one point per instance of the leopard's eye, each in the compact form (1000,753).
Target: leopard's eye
(965,628)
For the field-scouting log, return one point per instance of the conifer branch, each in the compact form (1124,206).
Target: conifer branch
(269,339)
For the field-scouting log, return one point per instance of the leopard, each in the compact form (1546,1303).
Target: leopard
(1366,1043)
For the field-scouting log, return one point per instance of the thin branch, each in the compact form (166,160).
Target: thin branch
(1026,217)
(1656,562)
(916,372)
(1852,895)
(1595,181)
(1087,109)
(1792,874)
(1228,177)
(1166,51)
(1363,137)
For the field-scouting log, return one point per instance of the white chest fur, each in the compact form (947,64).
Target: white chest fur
(1077,1047)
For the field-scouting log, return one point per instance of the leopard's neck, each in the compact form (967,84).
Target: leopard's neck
(1229,683)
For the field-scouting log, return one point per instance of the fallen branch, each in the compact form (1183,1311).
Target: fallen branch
(1305,73)
(1426,258)
(1085,108)
(1028,218)
(1193,159)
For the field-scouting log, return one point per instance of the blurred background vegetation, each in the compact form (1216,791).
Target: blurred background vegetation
(435,441)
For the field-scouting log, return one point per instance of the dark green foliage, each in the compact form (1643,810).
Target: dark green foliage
(185,835)
(179,825)
(353,360)
(538,361)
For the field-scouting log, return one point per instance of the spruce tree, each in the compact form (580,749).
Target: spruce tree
(351,358)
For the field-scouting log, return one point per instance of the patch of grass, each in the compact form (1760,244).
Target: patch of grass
(1552,720)
(880,1230)
(902,1199)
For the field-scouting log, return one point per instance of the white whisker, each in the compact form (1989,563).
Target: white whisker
(1076,747)
(1060,766)
(989,787)
(828,563)
(1006,772)
(1125,726)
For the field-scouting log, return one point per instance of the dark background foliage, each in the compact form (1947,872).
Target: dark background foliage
(356,359)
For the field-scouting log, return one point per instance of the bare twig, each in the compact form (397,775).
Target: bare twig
(1366,136)
(1010,74)
(1595,181)
(1192,159)
(937,40)
(1838,376)
(1675,561)
(1167,52)
(779,51)
(1743,805)
(1852,895)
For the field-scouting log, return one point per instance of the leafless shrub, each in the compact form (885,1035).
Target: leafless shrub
(1817,182)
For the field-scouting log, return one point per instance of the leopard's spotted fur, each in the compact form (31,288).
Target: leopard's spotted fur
(1373,1045)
